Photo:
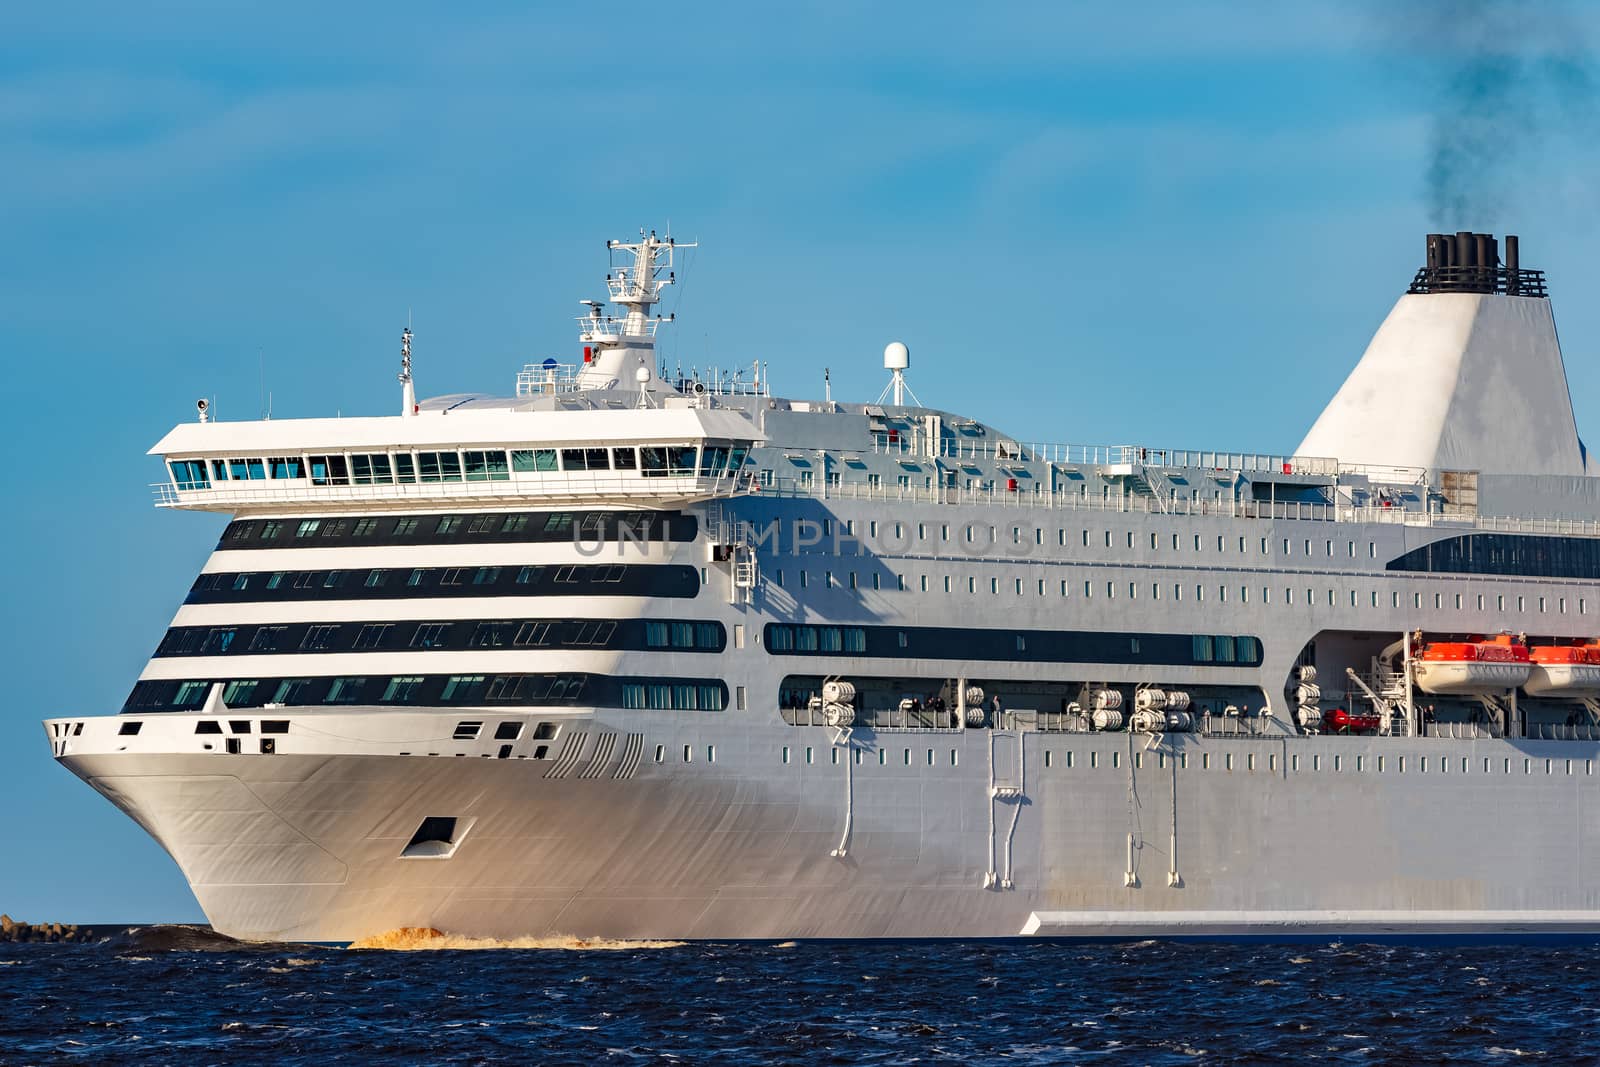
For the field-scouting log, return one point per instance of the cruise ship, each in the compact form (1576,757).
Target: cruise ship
(634,653)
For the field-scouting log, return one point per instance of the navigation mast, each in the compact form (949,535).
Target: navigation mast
(614,347)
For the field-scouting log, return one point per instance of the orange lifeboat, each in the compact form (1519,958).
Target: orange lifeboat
(1571,671)
(1480,665)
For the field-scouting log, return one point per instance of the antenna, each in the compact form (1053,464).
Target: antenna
(642,377)
(827,385)
(896,358)
(408,392)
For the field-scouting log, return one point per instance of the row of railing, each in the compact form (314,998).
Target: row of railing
(1043,498)
(911,443)
(556,486)
(1031,497)
(547,379)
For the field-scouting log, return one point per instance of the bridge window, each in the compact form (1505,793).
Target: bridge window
(486,466)
(713,460)
(533,460)
(585,459)
(252,469)
(680,460)
(439,466)
(190,473)
(372,469)
(329,470)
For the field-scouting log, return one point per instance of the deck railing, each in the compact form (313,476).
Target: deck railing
(1040,498)
(614,488)
(911,444)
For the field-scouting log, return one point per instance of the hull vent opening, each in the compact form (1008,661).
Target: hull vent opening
(437,838)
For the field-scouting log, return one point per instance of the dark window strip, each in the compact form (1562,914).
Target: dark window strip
(1013,646)
(1519,555)
(486,691)
(457,635)
(518,527)
(383,583)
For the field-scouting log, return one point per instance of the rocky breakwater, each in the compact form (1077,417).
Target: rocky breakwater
(11,930)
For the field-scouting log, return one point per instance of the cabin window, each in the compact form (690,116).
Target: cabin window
(287,466)
(345,690)
(291,691)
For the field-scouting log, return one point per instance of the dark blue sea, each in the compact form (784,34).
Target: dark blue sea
(147,997)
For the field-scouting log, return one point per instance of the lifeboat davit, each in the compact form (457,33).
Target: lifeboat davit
(1564,671)
(1489,665)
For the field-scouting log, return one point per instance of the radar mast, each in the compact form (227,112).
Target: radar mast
(614,347)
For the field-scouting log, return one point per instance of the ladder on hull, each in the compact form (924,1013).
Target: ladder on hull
(733,543)
(1007,782)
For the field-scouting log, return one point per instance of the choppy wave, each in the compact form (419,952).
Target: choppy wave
(198,998)
(425,938)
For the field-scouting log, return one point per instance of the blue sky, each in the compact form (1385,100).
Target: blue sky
(1172,224)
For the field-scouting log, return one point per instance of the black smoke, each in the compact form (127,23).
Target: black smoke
(1510,89)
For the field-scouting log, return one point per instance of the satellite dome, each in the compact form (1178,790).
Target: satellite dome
(896,356)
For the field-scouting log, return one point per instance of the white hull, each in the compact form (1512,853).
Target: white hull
(1269,838)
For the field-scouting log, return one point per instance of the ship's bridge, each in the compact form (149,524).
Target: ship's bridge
(646,457)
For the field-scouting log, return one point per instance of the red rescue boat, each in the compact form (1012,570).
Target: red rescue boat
(1340,721)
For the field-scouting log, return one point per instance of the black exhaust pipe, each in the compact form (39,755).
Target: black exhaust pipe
(1468,262)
